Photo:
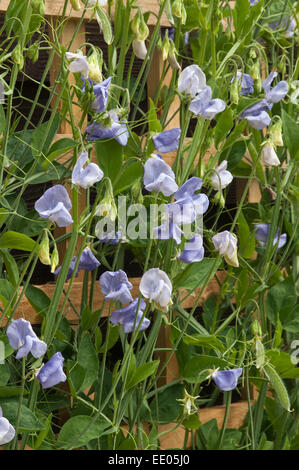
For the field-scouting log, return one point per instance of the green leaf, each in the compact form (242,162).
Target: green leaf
(4,373)
(224,124)
(197,364)
(88,359)
(110,156)
(11,391)
(79,430)
(246,238)
(60,147)
(10,266)
(235,134)
(43,434)
(76,376)
(196,274)
(104,24)
(113,338)
(154,124)
(283,364)
(131,171)
(240,14)
(17,241)
(208,342)
(290,134)
(38,299)
(7,291)
(28,421)
(282,300)
(143,372)
(43,136)
(233,155)
(164,407)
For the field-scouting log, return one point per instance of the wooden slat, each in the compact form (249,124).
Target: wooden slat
(26,311)
(55,8)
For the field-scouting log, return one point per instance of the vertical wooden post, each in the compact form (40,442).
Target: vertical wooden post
(65,128)
(155,74)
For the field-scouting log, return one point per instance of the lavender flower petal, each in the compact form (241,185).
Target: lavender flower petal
(227,380)
(115,286)
(86,177)
(167,141)
(22,338)
(52,372)
(54,205)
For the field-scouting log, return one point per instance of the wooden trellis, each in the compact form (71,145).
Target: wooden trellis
(53,10)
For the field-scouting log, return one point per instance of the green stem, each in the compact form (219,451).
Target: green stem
(228,398)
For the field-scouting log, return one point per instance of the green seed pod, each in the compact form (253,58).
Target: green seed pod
(275,133)
(260,354)
(256,328)
(44,250)
(17,56)
(279,386)
(76,5)
(95,61)
(165,47)
(139,27)
(54,259)
(235,90)
(38,6)
(177,8)
(33,51)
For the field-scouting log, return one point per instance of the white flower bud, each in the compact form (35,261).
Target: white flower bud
(268,156)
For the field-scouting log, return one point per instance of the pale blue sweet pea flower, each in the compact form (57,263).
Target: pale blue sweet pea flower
(86,177)
(227,380)
(253,2)
(118,130)
(88,262)
(54,205)
(246,84)
(156,286)
(257,116)
(159,177)
(22,338)
(193,250)
(221,177)
(7,431)
(168,230)
(167,141)
(226,243)
(78,64)
(187,196)
(278,92)
(52,373)
(262,233)
(204,106)
(111,238)
(126,316)
(101,91)
(192,80)
(115,286)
